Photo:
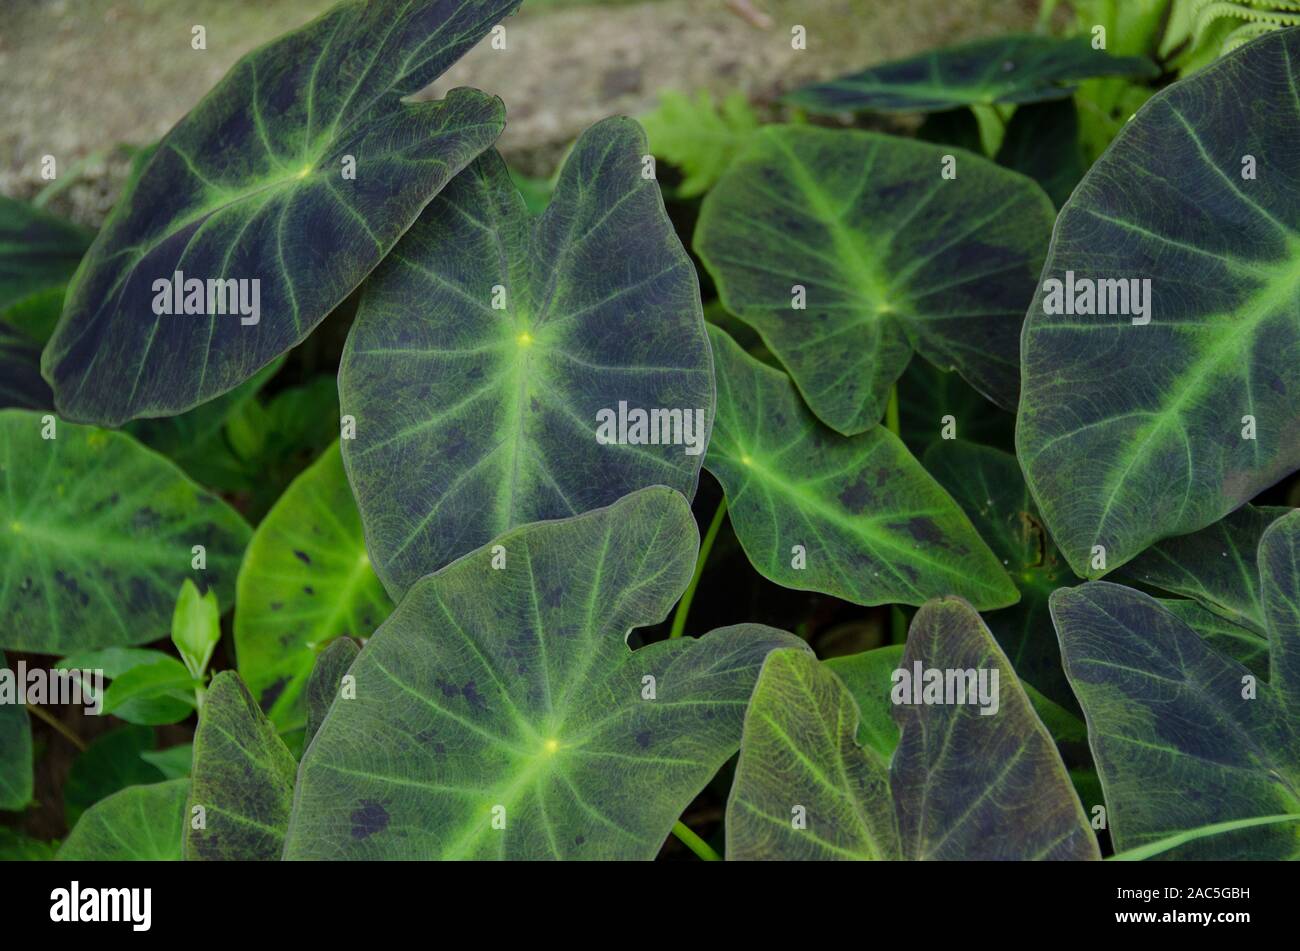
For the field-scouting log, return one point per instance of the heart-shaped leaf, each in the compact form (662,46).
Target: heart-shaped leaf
(306,580)
(848,250)
(1198,758)
(500,713)
(300,170)
(855,517)
(38,254)
(21,385)
(497,361)
(96,535)
(1217,566)
(989,486)
(1006,69)
(136,824)
(961,784)
(242,778)
(325,681)
(15,749)
(1247,647)
(1182,400)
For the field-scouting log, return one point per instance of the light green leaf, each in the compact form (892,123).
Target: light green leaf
(165,706)
(697,135)
(306,580)
(136,824)
(873,526)
(97,534)
(174,762)
(960,785)
(1005,69)
(500,714)
(232,190)
(491,415)
(1130,433)
(892,257)
(242,777)
(154,694)
(196,627)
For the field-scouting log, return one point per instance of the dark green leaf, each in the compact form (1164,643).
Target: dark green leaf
(38,253)
(20,372)
(961,784)
(1189,744)
(137,824)
(1217,566)
(1006,69)
(174,762)
(892,256)
(989,486)
(492,414)
(15,751)
(325,681)
(855,517)
(1042,141)
(1247,647)
(111,762)
(16,847)
(306,580)
(1130,433)
(96,535)
(510,694)
(250,185)
(926,395)
(242,777)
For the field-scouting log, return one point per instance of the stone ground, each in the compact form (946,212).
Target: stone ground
(80,78)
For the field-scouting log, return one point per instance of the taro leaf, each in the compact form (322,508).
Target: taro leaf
(873,526)
(15,749)
(1130,433)
(1216,566)
(961,784)
(38,253)
(1008,69)
(868,678)
(1188,743)
(1247,647)
(96,536)
(111,762)
(195,440)
(242,776)
(154,694)
(251,185)
(1042,141)
(306,580)
(325,681)
(892,258)
(511,695)
(989,486)
(490,415)
(174,762)
(17,847)
(139,823)
(21,385)
(927,394)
